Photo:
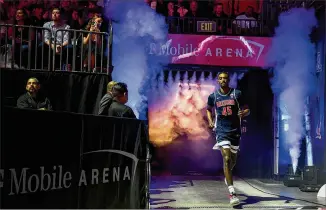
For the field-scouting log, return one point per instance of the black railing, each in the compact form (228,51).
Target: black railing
(262,25)
(218,26)
(273,8)
(38,48)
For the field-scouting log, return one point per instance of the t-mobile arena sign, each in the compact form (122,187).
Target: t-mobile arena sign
(214,50)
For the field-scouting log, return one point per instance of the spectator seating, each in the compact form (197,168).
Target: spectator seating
(22,28)
(26,26)
(231,17)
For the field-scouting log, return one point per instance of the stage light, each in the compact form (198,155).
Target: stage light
(197,85)
(285,127)
(285,118)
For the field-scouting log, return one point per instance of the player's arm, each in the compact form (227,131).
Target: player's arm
(209,111)
(245,111)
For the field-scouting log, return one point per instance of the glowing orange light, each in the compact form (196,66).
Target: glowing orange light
(183,114)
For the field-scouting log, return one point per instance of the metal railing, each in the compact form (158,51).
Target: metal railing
(26,48)
(265,22)
(273,8)
(148,177)
(218,26)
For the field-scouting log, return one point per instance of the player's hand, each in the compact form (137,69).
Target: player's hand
(242,113)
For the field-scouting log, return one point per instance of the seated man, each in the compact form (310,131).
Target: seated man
(106,100)
(120,98)
(33,99)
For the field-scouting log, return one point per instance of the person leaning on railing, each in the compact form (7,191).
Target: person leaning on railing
(52,35)
(182,16)
(221,19)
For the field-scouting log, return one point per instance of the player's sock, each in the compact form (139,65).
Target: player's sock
(231,189)
(225,182)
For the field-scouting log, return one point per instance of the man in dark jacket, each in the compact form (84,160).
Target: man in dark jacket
(120,98)
(33,99)
(106,100)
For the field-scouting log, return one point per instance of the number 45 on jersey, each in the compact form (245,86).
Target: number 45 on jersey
(227,110)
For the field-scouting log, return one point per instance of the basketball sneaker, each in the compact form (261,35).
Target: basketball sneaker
(234,200)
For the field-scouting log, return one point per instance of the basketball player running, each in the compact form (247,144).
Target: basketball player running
(229,110)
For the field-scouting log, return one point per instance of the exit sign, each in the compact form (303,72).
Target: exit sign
(206,26)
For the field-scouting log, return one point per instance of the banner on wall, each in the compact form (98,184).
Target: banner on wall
(214,50)
(74,164)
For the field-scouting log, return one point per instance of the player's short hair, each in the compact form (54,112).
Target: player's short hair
(110,85)
(119,89)
(223,72)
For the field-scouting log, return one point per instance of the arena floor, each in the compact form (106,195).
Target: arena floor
(202,192)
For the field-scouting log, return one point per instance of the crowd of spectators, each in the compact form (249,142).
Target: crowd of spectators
(75,13)
(54,16)
(198,8)
(231,16)
(179,13)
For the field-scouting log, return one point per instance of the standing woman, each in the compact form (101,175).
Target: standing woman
(93,44)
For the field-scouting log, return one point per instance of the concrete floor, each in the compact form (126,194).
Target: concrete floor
(200,192)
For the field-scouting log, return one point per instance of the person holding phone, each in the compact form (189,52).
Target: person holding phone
(95,46)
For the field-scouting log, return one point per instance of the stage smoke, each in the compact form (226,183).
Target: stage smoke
(177,117)
(179,106)
(234,78)
(136,27)
(293,56)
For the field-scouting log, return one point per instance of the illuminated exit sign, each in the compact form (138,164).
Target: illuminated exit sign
(206,26)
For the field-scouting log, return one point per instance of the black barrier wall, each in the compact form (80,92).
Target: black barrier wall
(64,160)
(68,91)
